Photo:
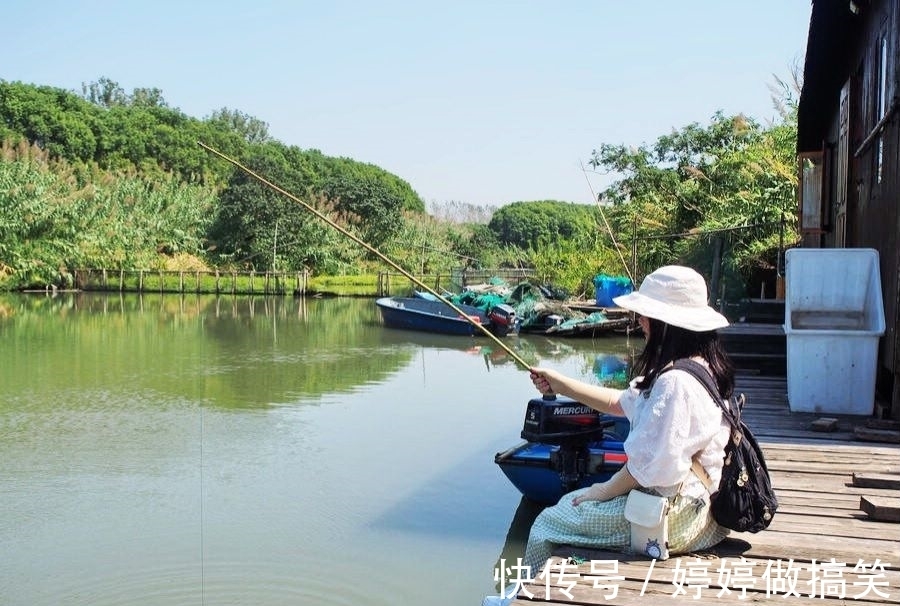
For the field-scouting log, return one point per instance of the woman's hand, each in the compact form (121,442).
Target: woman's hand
(602,399)
(622,482)
(546,381)
(598,492)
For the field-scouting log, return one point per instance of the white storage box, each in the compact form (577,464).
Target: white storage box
(833,319)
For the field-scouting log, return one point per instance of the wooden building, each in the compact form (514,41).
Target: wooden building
(848,144)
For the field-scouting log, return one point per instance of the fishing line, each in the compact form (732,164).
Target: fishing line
(202,568)
(372,250)
(605,222)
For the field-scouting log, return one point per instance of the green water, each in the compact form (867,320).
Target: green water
(217,450)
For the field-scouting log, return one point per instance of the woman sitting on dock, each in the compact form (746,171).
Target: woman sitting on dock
(673,418)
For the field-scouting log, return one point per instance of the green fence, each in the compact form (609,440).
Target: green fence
(218,282)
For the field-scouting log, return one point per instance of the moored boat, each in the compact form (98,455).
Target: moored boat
(417,313)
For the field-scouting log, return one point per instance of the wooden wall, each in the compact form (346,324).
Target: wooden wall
(861,192)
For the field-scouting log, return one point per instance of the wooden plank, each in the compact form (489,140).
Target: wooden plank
(693,591)
(604,580)
(883,424)
(848,464)
(829,454)
(877,435)
(824,424)
(883,509)
(846,526)
(824,466)
(636,567)
(806,546)
(876,480)
(838,484)
(853,449)
(816,510)
(807,498)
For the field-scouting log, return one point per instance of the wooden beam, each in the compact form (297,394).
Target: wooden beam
(881,509)
(877,435)
(876,480)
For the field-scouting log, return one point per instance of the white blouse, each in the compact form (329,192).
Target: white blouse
(670,423)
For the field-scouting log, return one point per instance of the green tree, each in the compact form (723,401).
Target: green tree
(529,225)
(54,218)
(251,130)
(51,118)
(258,227)
(732,179)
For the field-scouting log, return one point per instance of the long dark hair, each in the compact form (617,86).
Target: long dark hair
(668,343)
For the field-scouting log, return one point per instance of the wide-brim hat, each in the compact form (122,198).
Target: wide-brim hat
(675,295)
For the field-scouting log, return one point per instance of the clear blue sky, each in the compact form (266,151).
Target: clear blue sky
(483,102)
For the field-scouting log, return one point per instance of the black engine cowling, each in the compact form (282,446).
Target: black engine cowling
(563,421)
(571,426)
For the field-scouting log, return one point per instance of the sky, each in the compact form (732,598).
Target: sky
(479,102)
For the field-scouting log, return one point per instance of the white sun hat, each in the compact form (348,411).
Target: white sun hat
(675,295)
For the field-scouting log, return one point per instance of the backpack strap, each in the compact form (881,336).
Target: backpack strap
(701,473)
(702,374)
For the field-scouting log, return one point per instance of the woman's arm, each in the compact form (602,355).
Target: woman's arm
(602,399)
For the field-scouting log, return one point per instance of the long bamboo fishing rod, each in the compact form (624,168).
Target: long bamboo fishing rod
(372,250)
(605,222)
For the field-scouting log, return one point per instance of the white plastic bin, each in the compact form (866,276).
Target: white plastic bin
(833,319)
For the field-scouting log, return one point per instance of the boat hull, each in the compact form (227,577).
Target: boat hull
(416,313)
(563,450)
(534,469)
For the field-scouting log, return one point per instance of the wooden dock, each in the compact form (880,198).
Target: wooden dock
(820,548)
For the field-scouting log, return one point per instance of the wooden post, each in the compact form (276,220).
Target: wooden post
(141,280)
(217,280)
(634,255)
(716,271)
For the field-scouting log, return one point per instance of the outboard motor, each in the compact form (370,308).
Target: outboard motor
(503,319)
(570,425)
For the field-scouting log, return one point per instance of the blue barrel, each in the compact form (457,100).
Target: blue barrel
(609,287)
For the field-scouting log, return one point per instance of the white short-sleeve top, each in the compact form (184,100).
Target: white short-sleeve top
(670,423)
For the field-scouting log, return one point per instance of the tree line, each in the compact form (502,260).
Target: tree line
(111,179)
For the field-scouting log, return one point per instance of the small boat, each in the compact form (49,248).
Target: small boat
(594,325)
(417,313)
(567,446)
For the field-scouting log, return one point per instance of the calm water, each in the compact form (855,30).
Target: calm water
(217,450)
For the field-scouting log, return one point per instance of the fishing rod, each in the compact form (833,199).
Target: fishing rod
(605,222)
(372,250)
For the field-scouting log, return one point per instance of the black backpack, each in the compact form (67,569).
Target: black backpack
(745,500)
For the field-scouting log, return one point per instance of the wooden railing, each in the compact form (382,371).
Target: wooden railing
(185,281)
(272,283)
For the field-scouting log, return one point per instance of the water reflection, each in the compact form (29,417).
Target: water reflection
(517,536)
(232,352)
(264,442)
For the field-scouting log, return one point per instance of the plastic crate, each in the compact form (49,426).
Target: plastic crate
(833,319)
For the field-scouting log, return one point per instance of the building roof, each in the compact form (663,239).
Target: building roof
(833,33)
